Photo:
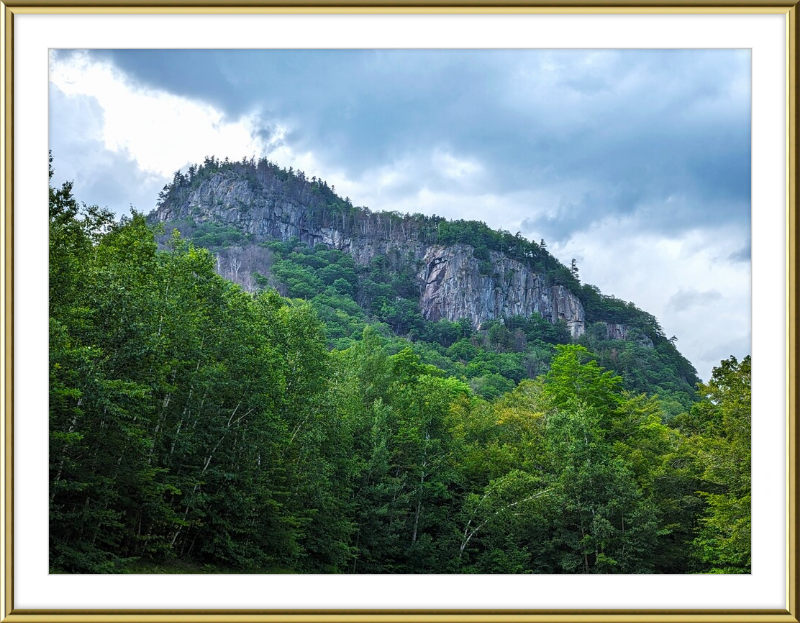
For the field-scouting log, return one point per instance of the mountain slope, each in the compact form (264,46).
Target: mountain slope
(408,270)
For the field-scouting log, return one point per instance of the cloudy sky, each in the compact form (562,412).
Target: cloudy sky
(634,162)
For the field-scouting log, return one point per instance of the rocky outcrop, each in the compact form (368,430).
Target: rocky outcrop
(616,331)
(273,212)
(231,200)
(454,285)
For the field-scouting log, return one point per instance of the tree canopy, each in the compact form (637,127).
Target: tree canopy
(318,425)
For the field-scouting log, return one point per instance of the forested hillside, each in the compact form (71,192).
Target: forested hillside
(314,422)
(484,305)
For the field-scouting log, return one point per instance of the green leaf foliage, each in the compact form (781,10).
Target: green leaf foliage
(317,424)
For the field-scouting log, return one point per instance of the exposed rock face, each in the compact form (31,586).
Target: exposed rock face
(231,200)
(271,212)
(616,331)
(454,287)
(453,283)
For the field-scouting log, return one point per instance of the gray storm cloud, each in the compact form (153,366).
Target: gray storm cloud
(617,131)
(565,145)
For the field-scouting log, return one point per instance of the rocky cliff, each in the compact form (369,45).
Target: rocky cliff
(268,209)
(452,282)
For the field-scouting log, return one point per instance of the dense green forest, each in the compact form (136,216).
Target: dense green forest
(318,424)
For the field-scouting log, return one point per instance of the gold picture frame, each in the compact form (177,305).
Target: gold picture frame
(11,8)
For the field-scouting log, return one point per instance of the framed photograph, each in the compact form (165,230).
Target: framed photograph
(394,312)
